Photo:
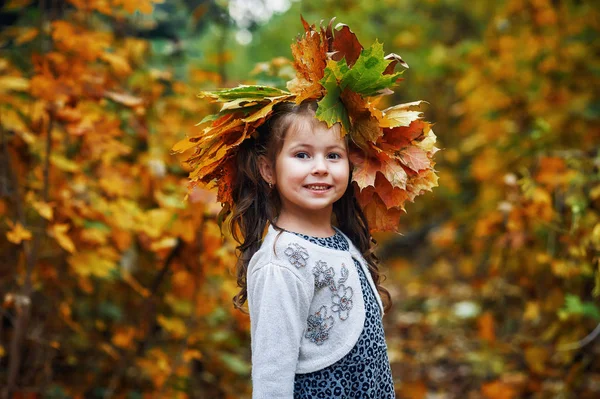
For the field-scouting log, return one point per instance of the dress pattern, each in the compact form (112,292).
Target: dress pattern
(364,373)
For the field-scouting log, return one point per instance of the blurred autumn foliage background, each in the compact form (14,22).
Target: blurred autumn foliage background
(113,286)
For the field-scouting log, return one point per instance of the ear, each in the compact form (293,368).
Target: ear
(266,169)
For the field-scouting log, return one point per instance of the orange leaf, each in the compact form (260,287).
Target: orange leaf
(485,325)
(413,390)
(392,197)
(365,168)
(123,337)
(379,216)
(310,54)
(402,136)
(415,158)
(393,171)
(498,390)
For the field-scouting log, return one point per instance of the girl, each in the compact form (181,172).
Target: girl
(312,289)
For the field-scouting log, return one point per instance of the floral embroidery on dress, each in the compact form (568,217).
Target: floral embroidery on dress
(323,275)
(319,325)
(297,255)
(345,274)
(342,301)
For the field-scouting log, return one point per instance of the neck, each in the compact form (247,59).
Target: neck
(317,224)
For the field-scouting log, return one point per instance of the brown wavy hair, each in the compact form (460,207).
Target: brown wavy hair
(255,204)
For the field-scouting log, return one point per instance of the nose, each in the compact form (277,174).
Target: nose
(320,165)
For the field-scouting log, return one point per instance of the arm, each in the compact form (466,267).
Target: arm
(279,306)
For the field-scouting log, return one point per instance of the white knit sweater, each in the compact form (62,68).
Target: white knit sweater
(306,309)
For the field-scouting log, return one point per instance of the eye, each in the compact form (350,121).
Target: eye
(301,155)
(334,155)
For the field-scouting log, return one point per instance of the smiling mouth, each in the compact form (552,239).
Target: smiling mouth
(318,187)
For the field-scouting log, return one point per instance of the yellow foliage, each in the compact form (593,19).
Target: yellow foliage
(89,263)
(18,233)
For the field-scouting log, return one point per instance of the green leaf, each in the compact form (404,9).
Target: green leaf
(574,306)
(235,363)
(331,109)
(243,91)
(366,76)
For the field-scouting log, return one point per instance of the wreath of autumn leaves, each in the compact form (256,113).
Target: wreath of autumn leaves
(391,150)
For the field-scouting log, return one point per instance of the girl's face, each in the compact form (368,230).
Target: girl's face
(311,170)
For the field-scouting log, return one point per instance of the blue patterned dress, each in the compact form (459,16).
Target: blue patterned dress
(365,371)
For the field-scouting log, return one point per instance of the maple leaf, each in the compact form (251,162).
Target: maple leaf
(415,158)
(393,171)
(345,45)
(365,78)
(392,197)
(330,109)
(310,54)
(402,114)
(402,136)
(422,182)
(364,123)
(365,167)
(367,75)
(379,216)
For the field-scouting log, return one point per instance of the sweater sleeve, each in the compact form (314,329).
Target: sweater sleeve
(279,305)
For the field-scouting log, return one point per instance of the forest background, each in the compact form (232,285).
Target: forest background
(112,286)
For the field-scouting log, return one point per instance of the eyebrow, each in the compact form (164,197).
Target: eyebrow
(301,145)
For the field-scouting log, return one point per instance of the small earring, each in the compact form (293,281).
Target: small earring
(270,185)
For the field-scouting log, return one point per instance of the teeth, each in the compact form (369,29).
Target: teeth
(318,187)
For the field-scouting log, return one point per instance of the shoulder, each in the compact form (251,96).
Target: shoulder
(285,251)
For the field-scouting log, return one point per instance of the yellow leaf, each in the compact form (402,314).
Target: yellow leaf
(44,209)
(118,63)
(63,163)
(14,83)
(532,311)
(95,236)
(59,232)
(402,114)
(173,325)
(18,233)
(536,357)
(184,145)
(2,351)
(90,263)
